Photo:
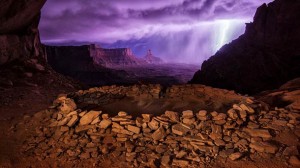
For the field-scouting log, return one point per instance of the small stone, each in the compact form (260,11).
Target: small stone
(153,124)
(232,114)
(64,128)
(214,114)
(73,121)
(220,116)
(129,146)
(122,131)
(72,113)
(290,150)
(59,116)
(280,122)
(159,134)
(165,160)
(128,122)
(108,140)
(134,129)
(71,153)
(235,156)
(178,129)
(104,149)
(85,155)
(139,149)
(216,132)
(105,124)
(117,126)
(63,122)
(220,142)
(202,113)
(82,114)
(89,117)
(146,117)
(252,125)
(161,149)
(130,156)
(189,121)
(264,147)
(82,128)
(220,122)
(67,105)
(119,119)
(105,116)
(95,121)
(243,114)
(247,109)
(139,122)
(122,114)
(124,139)
(173,116)
(180,154)
(249,101)
(226,153)
(188,114)
(263,133)
(294,161)
(180,163)
(227,138)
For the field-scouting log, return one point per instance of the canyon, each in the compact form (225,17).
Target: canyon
(93,66)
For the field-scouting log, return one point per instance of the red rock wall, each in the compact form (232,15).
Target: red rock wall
(19,35)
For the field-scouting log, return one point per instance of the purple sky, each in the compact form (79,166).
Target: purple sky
(173,29)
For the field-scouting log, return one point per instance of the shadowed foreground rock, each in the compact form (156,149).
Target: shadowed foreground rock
(266,56)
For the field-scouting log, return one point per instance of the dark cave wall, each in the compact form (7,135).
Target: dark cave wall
(19,35)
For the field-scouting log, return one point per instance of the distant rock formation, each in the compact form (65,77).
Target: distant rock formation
(19,35)
(78,62)
(264,57)
(113,57)
(149,58)
(116,57)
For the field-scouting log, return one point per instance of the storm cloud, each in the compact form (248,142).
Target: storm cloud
(191,25)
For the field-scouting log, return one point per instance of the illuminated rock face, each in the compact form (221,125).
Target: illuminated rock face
(265,57)
(114,57)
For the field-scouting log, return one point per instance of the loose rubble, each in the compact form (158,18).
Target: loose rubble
(172,139)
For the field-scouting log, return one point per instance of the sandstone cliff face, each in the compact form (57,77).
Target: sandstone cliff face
(114,57)
(264,57)
(19,35)
(77,62)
